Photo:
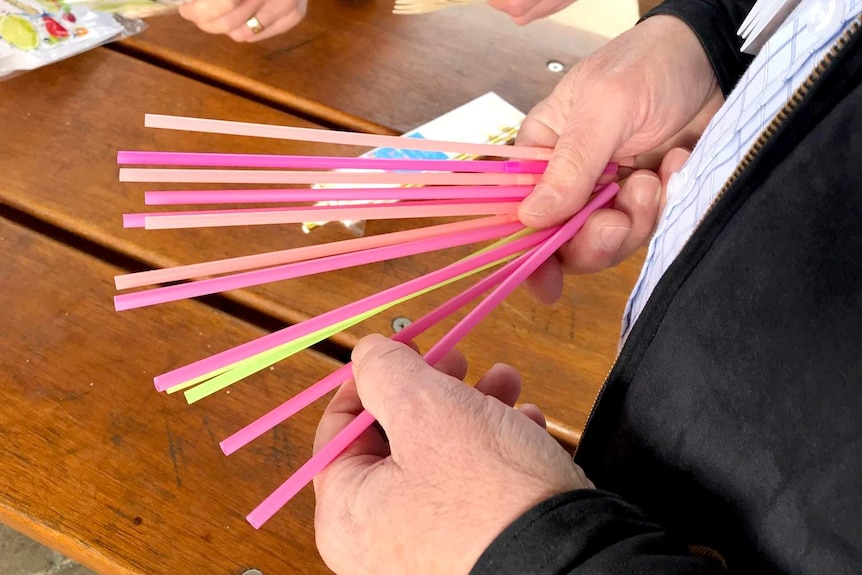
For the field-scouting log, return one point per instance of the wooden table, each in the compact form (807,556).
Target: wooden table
(97,465)
(353,63)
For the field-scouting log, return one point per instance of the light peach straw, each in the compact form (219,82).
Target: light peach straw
(337,137)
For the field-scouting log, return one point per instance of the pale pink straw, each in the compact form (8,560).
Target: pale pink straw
(311,394)
(336,137)
(326,162)
(196,176)
(294,215)
(364,420)
(264,343)
(254,196)
(218,267)
(310,267)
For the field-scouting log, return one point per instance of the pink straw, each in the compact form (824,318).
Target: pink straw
(336,137)
(364,420)
(262,344)
(185,176)
(170,198)
(326,162)
(294,215)
(309,267)
(177,273)
(311,394)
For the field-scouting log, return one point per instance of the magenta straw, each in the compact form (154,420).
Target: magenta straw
(311,394)
(200,176)
(229,357)
(262,196)
(295,215)
(310,267)
(327,162)
(364,420)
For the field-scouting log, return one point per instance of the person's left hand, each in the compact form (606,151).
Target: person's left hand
(453,466)
(245,20)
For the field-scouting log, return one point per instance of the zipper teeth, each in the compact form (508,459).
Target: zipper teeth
(773,126)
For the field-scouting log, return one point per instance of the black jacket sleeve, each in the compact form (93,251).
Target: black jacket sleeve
(715,23)
(588,532)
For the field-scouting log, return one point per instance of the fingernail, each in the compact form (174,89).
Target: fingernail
(365,345)
(611,237)
(540,205)
(647,189)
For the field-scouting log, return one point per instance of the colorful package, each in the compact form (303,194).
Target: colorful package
(35,33)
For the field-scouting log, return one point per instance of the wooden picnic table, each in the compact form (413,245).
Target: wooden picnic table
(93,461)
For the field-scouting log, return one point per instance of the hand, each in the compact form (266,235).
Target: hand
(455,467)
(232,17)
(525,11)
(648,87)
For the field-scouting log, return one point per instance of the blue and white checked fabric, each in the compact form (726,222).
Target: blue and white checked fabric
(784,62)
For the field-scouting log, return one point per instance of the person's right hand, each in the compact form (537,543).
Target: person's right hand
(636,94)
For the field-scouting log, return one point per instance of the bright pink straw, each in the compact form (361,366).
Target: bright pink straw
(171,198)
(363,421)
(217,267)
(229,357)
(327,162)
(303,177)
(295,215)
(310,267)
(311,394)
(336,137)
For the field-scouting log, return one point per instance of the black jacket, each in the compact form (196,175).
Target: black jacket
(728,436)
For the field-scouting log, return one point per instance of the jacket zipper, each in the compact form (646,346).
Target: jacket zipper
(764,137)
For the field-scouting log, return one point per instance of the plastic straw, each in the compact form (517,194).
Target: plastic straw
(262,361)
(309,267)
(171,198)
(326,162)
(271,216)
(269,341)
(336,137)
(218,267)
(314,392)
(340,442)
(302,177)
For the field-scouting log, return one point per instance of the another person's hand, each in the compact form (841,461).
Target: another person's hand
(455,467)
(652,87)
(245,20)
(525,11)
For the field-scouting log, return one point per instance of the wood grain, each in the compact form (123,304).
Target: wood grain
(355,64)
(96,464)
(67,134)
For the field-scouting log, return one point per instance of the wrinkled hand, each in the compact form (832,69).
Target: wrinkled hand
(525,11)
(650,88)
(230,17)
(455,467)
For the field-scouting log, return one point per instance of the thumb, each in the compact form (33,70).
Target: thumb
(589,134)
(399,388)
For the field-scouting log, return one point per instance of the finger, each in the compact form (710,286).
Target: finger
(402,391)
(639,199)
(503,382)
(588,138)
(546,283)
(201,11)
(280,25)
(233,20)
(541,10)
(342,409)
(533,412)
(594,247)
(671,164)
(454,364)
